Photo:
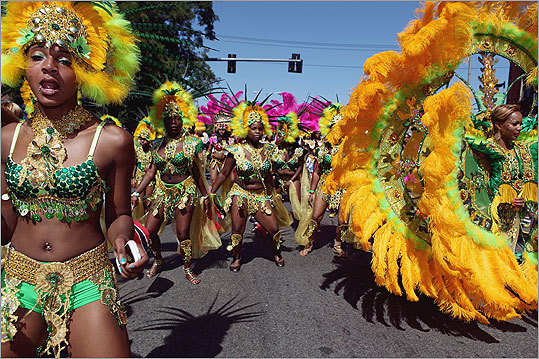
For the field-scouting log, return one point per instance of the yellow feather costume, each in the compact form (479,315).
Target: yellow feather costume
(430,244)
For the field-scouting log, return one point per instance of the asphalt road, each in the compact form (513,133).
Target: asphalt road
(315,306)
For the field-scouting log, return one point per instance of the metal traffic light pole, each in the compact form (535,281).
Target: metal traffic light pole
(295,64)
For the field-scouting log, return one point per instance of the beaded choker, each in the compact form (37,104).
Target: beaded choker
(70,122)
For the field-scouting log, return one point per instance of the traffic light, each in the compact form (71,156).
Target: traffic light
(231,64)
(295,66)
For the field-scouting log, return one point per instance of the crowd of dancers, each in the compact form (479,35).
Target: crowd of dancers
(256,154)
(444,194)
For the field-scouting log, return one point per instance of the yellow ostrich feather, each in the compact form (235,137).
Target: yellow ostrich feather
(27,97)
(200,127)
(331,116)
(487,271)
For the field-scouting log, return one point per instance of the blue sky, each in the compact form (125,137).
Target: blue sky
(334,38)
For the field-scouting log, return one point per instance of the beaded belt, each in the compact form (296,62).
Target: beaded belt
(80,268)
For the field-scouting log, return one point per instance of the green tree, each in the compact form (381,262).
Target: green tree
(172,45)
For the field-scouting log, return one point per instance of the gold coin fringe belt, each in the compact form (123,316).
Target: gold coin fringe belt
(172,196)
(53,282)
(256,200)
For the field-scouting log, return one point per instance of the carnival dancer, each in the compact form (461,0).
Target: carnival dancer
(179,181)
(319,200)
(289,154)
(218,142)
(512,183)
(144,135)
(57,279)
(253,190)
(289,162)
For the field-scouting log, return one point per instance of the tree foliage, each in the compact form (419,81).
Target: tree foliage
(186,24)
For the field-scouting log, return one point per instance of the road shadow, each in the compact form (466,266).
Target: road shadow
(198,336)
(354,278)
(156,289)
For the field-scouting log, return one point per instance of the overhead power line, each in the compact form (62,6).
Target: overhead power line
(307,47)
(315,43)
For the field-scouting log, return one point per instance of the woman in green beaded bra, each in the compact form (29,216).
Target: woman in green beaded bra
(253,190)
(319,201)
(512,180)
(144,135)
(57,167)
(179,181)
(289,159)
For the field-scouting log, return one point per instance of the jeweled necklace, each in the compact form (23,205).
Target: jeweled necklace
(256,155)
(46,153)
(67,124)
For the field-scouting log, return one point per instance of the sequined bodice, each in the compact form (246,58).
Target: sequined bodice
(324,156)
(76,181)
(255,167)
(179,163)
(75,189)
(292,163)
(515,167)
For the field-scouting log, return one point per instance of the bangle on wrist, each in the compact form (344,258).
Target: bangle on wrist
(135,194)
(310,191)
(212,194)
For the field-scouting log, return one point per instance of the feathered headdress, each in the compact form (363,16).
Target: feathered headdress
(329,114)
(171,99)
(288,127)
(217,111)
(244,113)
(106,57)
(291,117)
(145,130)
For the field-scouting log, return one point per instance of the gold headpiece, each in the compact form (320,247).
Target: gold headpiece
(253,116)
(56,25)
(172,109)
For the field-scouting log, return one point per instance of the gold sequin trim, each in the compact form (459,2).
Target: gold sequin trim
(82,267)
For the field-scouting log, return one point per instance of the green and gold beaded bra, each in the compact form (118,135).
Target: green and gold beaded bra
(254,168)
(178,163)
(292,163)
(324,156)
(69,194)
